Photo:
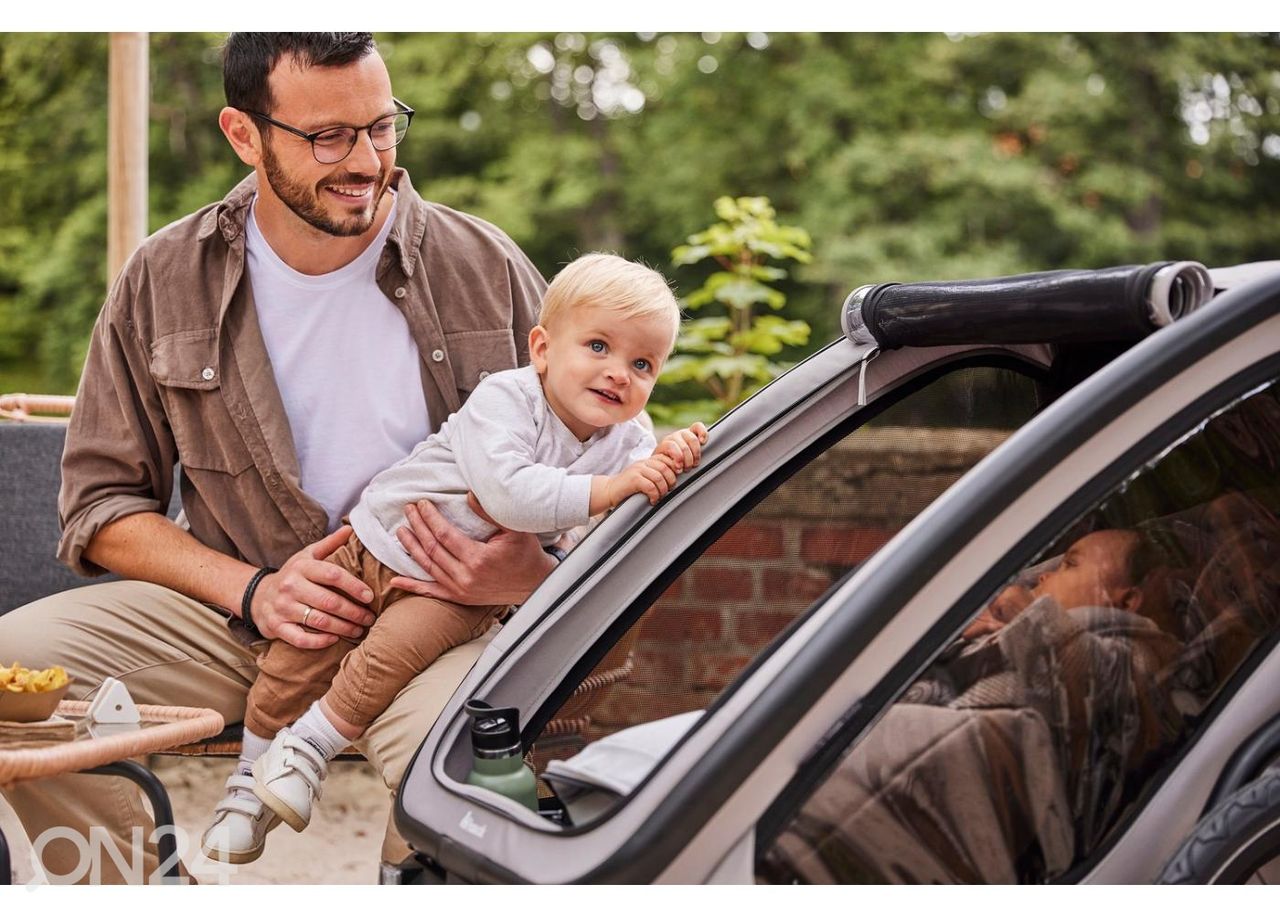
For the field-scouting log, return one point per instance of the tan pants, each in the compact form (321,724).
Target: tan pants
(171,650)
(360,679)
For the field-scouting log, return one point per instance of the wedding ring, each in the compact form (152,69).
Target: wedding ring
(306,614)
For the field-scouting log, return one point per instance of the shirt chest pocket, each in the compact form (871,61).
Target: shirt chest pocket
(474,355)
(185,368)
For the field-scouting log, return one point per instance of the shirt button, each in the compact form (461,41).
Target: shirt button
(437,355)
(400,291)
(207,374)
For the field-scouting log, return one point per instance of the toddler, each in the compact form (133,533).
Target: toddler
(542,448)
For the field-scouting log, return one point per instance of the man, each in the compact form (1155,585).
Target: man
(282,345)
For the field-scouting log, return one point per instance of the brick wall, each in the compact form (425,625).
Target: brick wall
(777,560)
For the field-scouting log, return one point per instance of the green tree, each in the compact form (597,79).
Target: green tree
(907,156)
(52,198)
(730,354)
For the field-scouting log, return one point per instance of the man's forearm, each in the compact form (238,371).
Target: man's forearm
(149,547)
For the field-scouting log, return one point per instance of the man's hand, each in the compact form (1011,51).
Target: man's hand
(684,446)
(305,582)
(502,570)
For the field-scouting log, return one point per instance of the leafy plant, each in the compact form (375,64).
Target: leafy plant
(730,355)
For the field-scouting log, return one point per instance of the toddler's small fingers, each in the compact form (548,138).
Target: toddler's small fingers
(661,479)
(683,446)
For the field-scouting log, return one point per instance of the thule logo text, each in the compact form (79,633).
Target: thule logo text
(469,824)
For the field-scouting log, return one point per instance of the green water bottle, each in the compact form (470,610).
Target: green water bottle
(497,761)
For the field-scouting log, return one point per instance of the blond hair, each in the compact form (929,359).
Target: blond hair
(608,281)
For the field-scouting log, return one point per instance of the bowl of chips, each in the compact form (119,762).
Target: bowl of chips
(28,695)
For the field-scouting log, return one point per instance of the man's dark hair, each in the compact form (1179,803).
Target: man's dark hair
(248,57)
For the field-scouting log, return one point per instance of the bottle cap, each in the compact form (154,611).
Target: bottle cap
(494,732)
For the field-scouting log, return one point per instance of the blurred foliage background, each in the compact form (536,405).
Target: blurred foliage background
(904,156)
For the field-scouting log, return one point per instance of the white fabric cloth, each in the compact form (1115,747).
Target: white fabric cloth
(506,444)
(590,783)
(349,424)
(619,762)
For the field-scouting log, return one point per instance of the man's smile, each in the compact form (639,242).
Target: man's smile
(352,192)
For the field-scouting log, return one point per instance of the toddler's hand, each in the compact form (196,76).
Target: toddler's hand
(683,447)
(653,476)
(1007,605)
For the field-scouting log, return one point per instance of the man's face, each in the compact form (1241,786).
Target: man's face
(342,198)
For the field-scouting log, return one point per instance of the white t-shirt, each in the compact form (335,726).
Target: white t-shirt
(347,367)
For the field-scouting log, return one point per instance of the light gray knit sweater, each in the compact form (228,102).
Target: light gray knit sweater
(506,444)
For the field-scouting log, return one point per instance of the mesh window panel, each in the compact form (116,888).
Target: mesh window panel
(1017,753)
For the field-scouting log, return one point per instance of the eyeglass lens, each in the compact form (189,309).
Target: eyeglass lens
(334,145)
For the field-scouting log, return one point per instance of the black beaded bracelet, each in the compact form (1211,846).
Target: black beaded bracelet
(246,603)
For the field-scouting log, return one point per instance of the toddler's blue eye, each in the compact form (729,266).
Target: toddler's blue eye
(642,365)
(597,346)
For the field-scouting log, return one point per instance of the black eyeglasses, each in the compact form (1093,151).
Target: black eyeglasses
(333,144)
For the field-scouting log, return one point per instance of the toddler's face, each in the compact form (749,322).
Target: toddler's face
(1092,573)
(598,366)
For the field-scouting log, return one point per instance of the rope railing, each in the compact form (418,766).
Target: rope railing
(172,725)
(36,408)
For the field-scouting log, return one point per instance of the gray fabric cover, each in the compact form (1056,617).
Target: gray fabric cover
(30,455)
(1003,763)
(916,802)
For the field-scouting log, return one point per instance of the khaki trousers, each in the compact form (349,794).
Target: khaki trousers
(169,649)
(359,679)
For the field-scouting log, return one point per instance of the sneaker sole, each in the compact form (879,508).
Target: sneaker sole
(233,858)
(239,858)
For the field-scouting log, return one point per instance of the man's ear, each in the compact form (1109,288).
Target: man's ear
(242,134)
(538,341)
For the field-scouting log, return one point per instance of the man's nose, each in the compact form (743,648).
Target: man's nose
(363,158)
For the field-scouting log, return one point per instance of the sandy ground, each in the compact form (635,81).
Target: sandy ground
(341,846)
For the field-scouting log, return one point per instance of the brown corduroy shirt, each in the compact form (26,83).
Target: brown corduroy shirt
(177,372)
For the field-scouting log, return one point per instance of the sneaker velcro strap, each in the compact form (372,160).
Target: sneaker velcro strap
(250,807)
(303,758)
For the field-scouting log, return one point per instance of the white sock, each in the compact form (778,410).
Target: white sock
(315,728)
(251,748)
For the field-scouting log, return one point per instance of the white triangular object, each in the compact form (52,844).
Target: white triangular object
(113,704)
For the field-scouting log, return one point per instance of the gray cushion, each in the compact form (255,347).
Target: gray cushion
(30,455)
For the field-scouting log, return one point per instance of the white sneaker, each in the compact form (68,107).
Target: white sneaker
(240,824)
(287,778)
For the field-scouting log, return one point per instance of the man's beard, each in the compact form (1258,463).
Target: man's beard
(302,200)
